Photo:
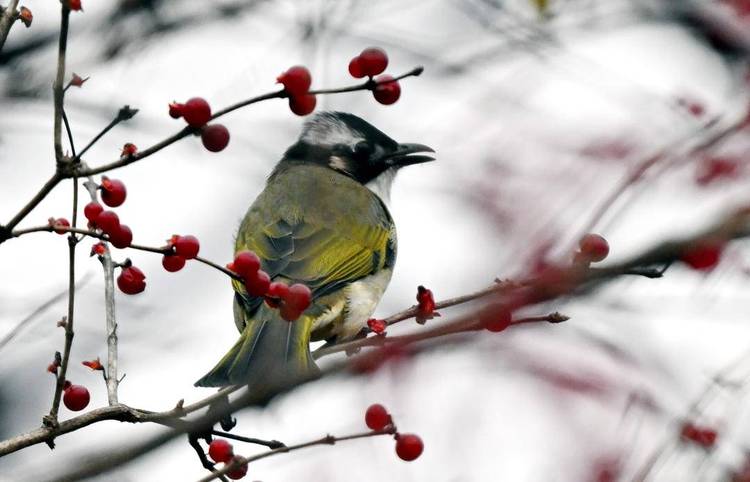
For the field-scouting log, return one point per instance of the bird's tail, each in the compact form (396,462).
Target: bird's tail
(269,348)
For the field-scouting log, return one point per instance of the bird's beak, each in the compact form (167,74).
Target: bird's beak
(406,155)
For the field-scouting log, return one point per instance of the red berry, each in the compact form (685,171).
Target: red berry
(409,446)
(173,262)
(59,225)
(215,137)
(113,192)
(246,263)
(131,281)
(75,5)
(175,110)
(129,150)
(52,368)
(76,397)
(355,69)
(377,417)
(373,61)
(705,437)
(238,473)
(121,237)
(302,104)
(299,297)
(257,284)
(289,312)
(92,210)
(386,93)
(495,318)
(277,291)
(220,450)
(186,246)
(593,247)
(296,80)
(108,221)
(196,112)
(377,326)
(703,255)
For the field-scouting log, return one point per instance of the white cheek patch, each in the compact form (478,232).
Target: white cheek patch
(337,163)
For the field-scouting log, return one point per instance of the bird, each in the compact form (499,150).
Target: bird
(322,220)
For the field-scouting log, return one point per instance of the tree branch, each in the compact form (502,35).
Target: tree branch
(8,17)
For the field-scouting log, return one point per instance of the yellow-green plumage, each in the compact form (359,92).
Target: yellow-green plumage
(315,226)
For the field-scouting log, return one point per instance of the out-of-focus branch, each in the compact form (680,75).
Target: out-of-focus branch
(8,16)
(109,307)
(327,440)
(734,226)
(58,87)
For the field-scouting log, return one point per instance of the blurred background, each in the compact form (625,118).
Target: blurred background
(540,112)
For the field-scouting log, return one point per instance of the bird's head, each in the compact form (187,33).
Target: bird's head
(353,147)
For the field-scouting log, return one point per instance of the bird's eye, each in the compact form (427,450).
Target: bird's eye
(362,150)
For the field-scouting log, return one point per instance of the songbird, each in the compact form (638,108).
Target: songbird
(322,220)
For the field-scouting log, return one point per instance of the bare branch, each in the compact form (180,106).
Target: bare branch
(109,306)
(8,17)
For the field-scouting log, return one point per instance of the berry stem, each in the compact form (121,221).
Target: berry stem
(271,444)
(125,113)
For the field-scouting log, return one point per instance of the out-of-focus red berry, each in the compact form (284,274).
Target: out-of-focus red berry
(245,264)
(703,255)
(92,211)
(131,280)
(175,110)
(186,246)
(220,450)
(215,137)
(238,473)
(495,317)
(52,368)
(129,150)
(377,326)
(108,221)
(409,446)
(373,61)
(302,104)
(59,225)
(703,436)
(196,112)
(712,169)
(377,417)
(299,297)
(593,247)
(257,283)
(296,80)
(121,237)
(94,364)
(173,262)
(76,397)
(386,93)
(355,69)
(113,192)
(277,291)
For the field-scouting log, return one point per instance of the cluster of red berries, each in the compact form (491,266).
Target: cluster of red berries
(371,62)
(704,255)
(75,397)
(702,436)
(592,248)
(180,249)
(425,305)
(408,446)
(222,451)
(197,113)
(113,194)
(297,81)
(291,301)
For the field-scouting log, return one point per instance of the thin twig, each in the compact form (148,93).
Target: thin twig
(125,113)
(271,444)
(327,440)
(57,88)
(109,307)
(8,17)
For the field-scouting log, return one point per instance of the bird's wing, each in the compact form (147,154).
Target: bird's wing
(314,226)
